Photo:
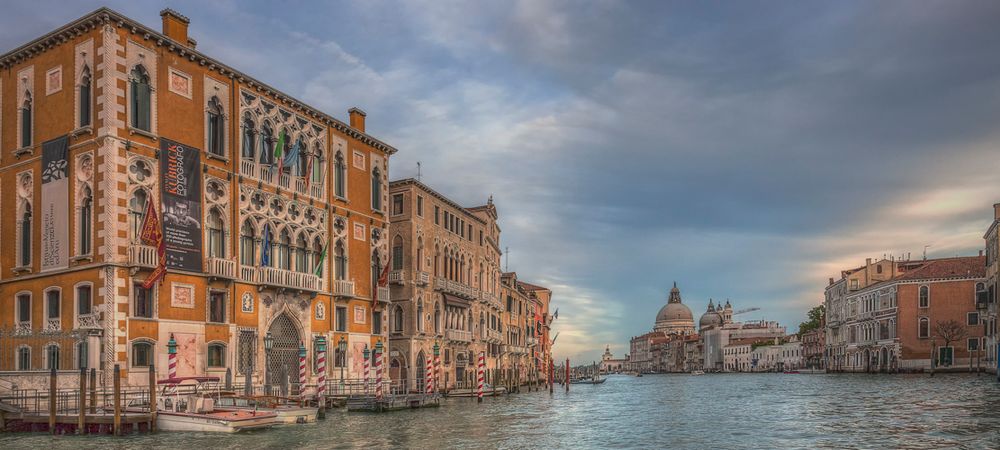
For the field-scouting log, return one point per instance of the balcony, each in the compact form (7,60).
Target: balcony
(383,294)
(422,279)
(53,324)
(453,287)
(91,320)
(458,335)
(269,174)
(142,256)
(532,342)
(493,335)
(221,268)
(396,277)
(514,349)
(343,288)
(248,274)
(23,327)
(271,276)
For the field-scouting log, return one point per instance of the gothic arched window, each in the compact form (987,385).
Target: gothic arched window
(26,121)
(248,247)
(85,97)
(397,253)
(136,211)
(339,174)
(215,128)
(141,93)
(249,132)
(376,189)
(216,237)
(266,153)
(86,221)
(25,244)
(299,251)
(339,261)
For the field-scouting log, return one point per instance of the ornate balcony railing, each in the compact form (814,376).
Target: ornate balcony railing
(272,276)
(269,174)
(453,287)
(343,288)
(248,274)
(88,321)
(458,335)
(493,335)
(53,324)
(383,294)
(396,277)
(422,278)
(23,327)
(142,256)
(532,342)
(515,349)
(221,268)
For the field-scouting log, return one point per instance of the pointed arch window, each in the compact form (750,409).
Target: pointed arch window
(26,124)
(85,97)
(215,127)
(317,166)
(282,249)
(299,252)
(397,253)
(317,257)
(302,170)
(397,319)
(339,174)
(285,168)
(216,237)
(25,237)
(248,246)
(420,316)
(249,132)
(86,221)
(141,93)
(437,318)
(339,261)
(377,189)
(136,210)
(265,152)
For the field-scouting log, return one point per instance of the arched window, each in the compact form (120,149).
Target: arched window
(26,121)
(267,236)
(141,93)
(318,164)
(302,170)
(25,244)
(339,261)
(299,250)
(317,257)
(52,357)
(249,133)
(397,319)
(84,299)
(216,355)
(285,168)
(266,152)
(397,253)
(215,127)
(24,358)
(284,242)
(85,97)
(420,254)
(339,173)
(248,247)
(925,296)
(216,237)
(376,189)
(142,354)
(136,211)
(376,268)
(924,328)
(86,219)
(437,260)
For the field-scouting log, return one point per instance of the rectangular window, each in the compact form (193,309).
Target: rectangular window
(973,344)
(480,237)
(447,220)
(247,350)
(83,301)
(397,204)
(420,206)
(217,307)
(972,318)
(341,318)
(377,322)
(854,284)
(24,308)
(216,355)
(470,233)
(52,302)
(437,215)
(142,301)
(447,356)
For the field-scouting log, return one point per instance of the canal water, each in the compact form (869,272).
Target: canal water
(751,411)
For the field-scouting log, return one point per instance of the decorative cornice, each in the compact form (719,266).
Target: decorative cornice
(413,181)
(106,15)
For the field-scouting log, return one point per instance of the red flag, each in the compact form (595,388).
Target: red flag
(151,235)
(383,280)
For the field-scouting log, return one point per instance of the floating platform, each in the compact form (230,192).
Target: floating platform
(368,403)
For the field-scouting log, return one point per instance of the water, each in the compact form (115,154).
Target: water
(655,411)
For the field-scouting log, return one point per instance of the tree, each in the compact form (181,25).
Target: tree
(950,331)
(815,322)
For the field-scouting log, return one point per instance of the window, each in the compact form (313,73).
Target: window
(246,350)
(376,268)
(24,308)
(52,302)
(397,253)
(25,244)
(84,300)
(216,355)
(282,250)
(317,163)
(85,97)
(217,307)
(397,319)
(376,189)
(142,354)
(52,357)
(376,322)
(397,204)
(249,131)
(341,318)
(265,152)
(248,247)
(84,235)
(437,213)
(925,296)
(216,240)
(972,318)
(215,128)
(878,269)
(82,354)
(141,92)
(136,211)
(420,317)
(924,328)
(420,206)
(24,358)
(26,121)
(854,284)
(339,173)
(973,344)
(299,251)
(339,261)
(142,301)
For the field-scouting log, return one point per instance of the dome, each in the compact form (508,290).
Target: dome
(710,318)
(674,311)
(674,317)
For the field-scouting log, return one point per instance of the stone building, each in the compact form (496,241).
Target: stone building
(674,317)
(104,117)
(813,348)
(610,364)
(539,345)
(717,328)
(986,301)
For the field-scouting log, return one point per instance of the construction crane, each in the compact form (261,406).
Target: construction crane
(746,310)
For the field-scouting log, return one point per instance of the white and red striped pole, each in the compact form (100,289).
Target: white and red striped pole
(429,388)
(367,366)
(321,368)
(480,372)
(378,371)
(172,358)
(302,369)
(437,370)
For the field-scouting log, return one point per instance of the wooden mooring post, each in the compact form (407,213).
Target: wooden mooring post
(52,400)
(81,424)
(567,375)
(93,391)
(117,378)
(152,398)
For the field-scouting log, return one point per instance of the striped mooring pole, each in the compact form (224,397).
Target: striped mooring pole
(429,388)
(321,367)
(367,365)
(480,373)
(302,369)
(437,370)
(172,358)
(378,371)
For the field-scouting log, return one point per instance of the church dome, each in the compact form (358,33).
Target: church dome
(674,317)
(674,311)
(709,319)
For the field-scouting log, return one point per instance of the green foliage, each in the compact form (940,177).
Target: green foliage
(816,316)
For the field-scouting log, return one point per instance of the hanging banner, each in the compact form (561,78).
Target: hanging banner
(55,204)
(180,183)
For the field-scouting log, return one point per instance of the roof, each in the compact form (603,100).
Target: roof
(415,182)
(749,341)
(531,287)
(960,267)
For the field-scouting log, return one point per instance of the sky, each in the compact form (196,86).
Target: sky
(746,150)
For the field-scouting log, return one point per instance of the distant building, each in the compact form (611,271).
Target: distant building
(611,365)
(986,301)
(813,348)
(717,329)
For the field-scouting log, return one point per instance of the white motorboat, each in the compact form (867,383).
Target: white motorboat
(197,411)
(287,413)
(697,372)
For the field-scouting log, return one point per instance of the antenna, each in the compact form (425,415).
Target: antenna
(418,170)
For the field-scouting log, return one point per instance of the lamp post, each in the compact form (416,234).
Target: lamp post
(268,345)
(342,346)
(437,359)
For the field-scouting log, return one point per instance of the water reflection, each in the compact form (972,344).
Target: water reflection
(665,411)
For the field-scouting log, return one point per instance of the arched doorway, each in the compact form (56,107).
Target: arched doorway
(867,360)
(419,372)
(283,357)
(397,370)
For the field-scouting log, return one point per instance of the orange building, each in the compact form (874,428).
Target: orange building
(104,116)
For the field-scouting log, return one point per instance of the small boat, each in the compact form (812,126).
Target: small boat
(287,413)
(488,391)
(697,372)
(796,372)
(197,411)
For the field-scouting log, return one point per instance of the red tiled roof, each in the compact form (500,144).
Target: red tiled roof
(960,267)
(531,287)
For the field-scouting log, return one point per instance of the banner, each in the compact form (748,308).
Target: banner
(180,180)
(55,204)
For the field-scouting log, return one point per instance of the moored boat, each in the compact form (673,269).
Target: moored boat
(197,411)
(287,413)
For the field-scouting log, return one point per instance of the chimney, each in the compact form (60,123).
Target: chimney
(831,281)
(175,26)
(996,210)
(980,253)
(868,261)
(357,118)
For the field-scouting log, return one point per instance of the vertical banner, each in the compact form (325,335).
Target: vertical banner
(55,204)
(181,187)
